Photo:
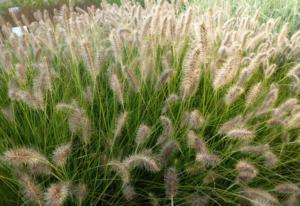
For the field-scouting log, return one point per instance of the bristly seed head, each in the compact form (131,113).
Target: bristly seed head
(144,159)
(287,188)
(57,193)
(195,142)
(61,153)
(24,156)
(121,121)
(258,197)
(197,200)
(128,192)
(207,159)
(168,130)
(171,182)
(255,149)
(117,88)
(80,191)
(196,119)
(142,135)
(270,159)
(32,191)
(246,171)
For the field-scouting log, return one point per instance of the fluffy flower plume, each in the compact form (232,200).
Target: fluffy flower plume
(33,192)
(191,73)
(198,200)
(121,121)
(23,155)
(231,124)
(128,192)
(167,150)
(144,160)
(80,191)
(171,182)
(287,188)
(78,120)
(121,169)
(57,193)
(207,159)
(241,134)
(8,113)
(195,142)
(196,119)
(165,76)
(255,149)
(168,130)
(269,100)
(253,93)
(246,171)
(169,101)
(143,133)
(117,87)
(259,197)
(61,153)
(270,159)
(228,71)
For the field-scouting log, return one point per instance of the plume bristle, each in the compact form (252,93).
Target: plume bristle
(167,150)
(121,121)
(191,73)
(171,182)
(194,142)
(196,119)
(143,134)
(57,194)
(80,191)
(172,98)
(287,188)
(168,130)
(144,160)
(117,88)
(270,159)
(246,171)
(253,94)
(32,191)
(259,197)
(198,200)
(23,155)
(128,192)
(61,153)
(121,169)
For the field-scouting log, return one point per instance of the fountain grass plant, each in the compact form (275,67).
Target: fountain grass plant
(161,104)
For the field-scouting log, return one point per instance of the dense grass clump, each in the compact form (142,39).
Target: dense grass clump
(148,105)
(283,11)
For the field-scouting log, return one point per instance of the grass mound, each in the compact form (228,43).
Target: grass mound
(148,105)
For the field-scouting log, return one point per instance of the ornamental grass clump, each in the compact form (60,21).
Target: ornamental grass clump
(153,104)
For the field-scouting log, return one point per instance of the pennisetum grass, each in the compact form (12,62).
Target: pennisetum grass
(161,103)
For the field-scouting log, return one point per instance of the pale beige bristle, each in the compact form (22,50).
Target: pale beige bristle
(61,153)
(32,191)
(246,171)
(143,160)
(171,182)
(143,134)
(117,88)
(57,194)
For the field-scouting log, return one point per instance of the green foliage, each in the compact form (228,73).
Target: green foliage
(286,11)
